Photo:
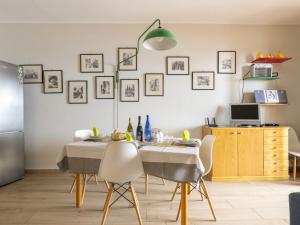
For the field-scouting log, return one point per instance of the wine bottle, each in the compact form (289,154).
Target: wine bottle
(139,130)
(147,132)
(130,128)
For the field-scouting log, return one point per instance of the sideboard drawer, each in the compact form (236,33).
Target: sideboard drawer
(276,141)
(275,156)
(276,132)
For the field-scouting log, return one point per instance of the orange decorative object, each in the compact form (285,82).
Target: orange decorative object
(259,55)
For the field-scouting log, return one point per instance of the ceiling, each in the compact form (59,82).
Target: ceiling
(144,11)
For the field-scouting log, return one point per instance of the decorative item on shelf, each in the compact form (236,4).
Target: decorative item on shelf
(53,81)
(203,80)
(270,58)
(129,90)
(178,65)
(91,63)
(271,96)
(261,70)
(148,132)
(226,62)
(32,73)
(128,63)
(77,92)
(158,39)
(154,84)
(105,87)
(96,132)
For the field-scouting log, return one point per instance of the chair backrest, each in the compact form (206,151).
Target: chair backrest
(206,150)
(121,163)
(294,144)
(80,135)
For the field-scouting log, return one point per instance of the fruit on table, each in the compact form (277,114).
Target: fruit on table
(117,136)
(270,56)
(260,55)
(96,132)
(280,55)
(185,135)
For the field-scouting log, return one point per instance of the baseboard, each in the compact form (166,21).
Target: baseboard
(32,171)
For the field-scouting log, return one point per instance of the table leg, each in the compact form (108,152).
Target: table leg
(78,190)
(184,203)
(146,183)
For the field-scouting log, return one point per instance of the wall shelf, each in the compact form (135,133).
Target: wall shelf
(273,104)
(270,60)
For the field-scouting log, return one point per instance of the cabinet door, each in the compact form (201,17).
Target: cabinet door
(250,152)
(225,159)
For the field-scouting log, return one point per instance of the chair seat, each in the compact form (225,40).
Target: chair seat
(294,153)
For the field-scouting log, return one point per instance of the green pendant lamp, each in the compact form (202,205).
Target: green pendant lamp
(159,39)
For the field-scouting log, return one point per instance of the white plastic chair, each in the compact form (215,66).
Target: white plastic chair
(294,149)
(121,165)
(206,156)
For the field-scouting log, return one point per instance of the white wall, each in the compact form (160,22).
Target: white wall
(50,121)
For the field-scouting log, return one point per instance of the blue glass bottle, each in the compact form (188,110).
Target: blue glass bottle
(147,131)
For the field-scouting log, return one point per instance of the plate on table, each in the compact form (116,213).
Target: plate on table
(192,143)
(93,138)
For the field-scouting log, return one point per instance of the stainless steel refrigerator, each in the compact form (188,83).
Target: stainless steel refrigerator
(11,124)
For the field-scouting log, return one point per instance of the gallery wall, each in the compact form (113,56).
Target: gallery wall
(50,121)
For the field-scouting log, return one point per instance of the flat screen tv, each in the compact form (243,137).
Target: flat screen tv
(245,114)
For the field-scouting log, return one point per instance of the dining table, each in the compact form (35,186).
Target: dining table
(174,162)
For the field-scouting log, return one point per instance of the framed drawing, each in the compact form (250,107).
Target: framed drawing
(32,73)
(77,92)
(53,81)
(105,87)
(226,62)
(91,63)
(129,90)
(203,80)
(178,65)
(128,64)
(154,84)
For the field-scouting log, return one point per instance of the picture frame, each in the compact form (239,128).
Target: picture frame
(154,84)
(32,73)
(53,81)
(226,62)
(77,92)
(130,64)
(203,80)
(129,90)
(178,65)
(105,87)
(91,63)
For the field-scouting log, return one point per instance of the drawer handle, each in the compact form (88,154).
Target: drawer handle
(274,132)
(239,133)
(274,140)
(274,171)
(232,133)
(274,155)
(275,163)
(274,147)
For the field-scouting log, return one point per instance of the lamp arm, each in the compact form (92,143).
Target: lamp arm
(138,48)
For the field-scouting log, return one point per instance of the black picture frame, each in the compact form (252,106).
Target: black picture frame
(45,83)
(219,71)
(204,72)
(121,67)
(163,85)
(168,58)
(101,70)
(39,81)
(86,94)
(113,87)
(121,89)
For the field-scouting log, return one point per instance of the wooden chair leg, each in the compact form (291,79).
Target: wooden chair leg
(136,204)
(106,205)
(295,168)
(73,185)
(200,191)
(106,184)
(96,178)
(84,187)
(175,191)
(178,211)
(146,183)
(202,183)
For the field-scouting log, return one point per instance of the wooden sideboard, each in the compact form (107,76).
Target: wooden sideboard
(258,153)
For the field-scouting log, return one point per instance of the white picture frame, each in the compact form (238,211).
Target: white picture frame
(154,84)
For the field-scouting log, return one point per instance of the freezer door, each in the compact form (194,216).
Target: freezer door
(11,99)
(11,157)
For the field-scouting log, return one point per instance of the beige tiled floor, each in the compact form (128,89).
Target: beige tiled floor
(43,199)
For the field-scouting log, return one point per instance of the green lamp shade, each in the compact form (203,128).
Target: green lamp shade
(159,39)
